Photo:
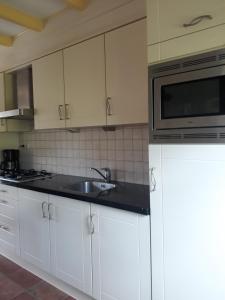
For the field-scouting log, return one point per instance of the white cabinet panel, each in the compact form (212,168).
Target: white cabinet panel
(34,228)
(166,18)
(71,242)
(84,67)
(48,89)
(9,223)
(188,242)
(126,74)
(117,252)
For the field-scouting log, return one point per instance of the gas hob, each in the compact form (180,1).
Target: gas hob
(24,175)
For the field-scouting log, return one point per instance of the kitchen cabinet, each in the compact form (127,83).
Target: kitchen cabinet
(84,69)
(48,90)
(34,228)
(121,254)
(71,242)
(126,74)
(9,223)
(101,81)
(187,222)
(102,251)
(177,28)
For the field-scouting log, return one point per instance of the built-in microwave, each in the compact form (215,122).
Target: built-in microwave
(187,99)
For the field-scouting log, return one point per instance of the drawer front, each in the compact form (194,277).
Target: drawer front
(8,192)
(8,230)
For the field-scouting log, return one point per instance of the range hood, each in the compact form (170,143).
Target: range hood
(18,95)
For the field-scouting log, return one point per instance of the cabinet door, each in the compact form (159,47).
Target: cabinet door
(166,19)
(48,89)
(187,222)
(126,74)
(34,228)
(84,66)
(121,255)
(71,242)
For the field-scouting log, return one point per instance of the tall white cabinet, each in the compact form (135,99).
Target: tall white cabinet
(187,222)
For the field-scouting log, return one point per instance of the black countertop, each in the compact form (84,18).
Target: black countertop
(126,196)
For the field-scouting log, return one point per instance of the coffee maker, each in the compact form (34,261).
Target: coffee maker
(10,162)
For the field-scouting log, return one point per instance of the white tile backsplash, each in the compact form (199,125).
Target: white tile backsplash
(124,150)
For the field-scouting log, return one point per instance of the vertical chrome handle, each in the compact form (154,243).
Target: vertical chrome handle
(44,206)
(50,211)
(60,110)
(197,20)
(108,106)
(67,112)
(152,180)
(91,224)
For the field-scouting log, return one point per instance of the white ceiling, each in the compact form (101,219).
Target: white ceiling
(48,9)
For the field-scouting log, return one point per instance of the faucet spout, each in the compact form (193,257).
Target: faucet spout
(107,173)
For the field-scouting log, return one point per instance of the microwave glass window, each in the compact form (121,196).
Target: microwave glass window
(205,97)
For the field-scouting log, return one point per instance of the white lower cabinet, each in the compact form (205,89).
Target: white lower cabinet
(102,251)
(71,242)
(9,224)
(34,228)
(121,254)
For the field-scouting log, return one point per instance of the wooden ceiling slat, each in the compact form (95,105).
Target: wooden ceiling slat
(78,4)
(6,40)
(18,17)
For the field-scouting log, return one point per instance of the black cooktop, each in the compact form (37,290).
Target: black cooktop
(23,175)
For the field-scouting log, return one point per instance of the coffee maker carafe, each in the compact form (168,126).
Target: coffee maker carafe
(10,160)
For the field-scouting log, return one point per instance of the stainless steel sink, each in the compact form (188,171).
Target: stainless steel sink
(87,187)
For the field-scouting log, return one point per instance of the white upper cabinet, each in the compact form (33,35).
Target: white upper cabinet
(168,19)
(121,254)
(84,69)
(126,74)
(71,242)
(180,28)
(48,89)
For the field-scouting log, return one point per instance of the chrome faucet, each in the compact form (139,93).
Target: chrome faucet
(107,173)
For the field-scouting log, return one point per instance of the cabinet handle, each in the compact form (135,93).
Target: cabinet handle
(2,122)
(3,191)
(60,110)
(91,224)
(3,202)
(152,180)
(197,20)
(44,206)
(67,112)
(50,211)
(108,106)
(4,227)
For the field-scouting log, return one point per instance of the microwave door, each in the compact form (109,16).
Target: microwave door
(191,99)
